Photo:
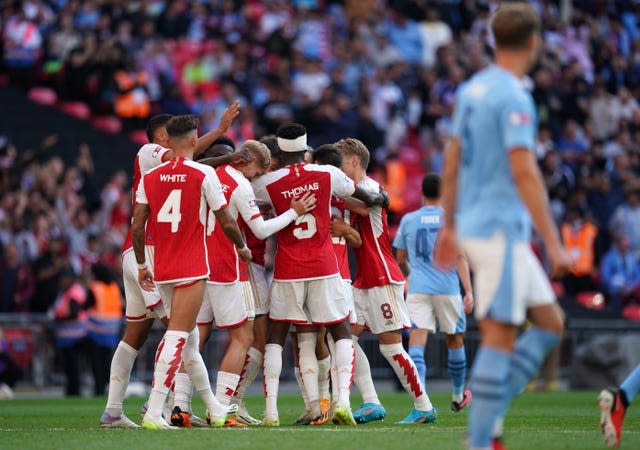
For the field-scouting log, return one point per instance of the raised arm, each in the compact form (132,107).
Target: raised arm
(228,116)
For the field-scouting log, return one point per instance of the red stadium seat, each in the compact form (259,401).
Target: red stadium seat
(591,300)
(42,96)
(78,110)
(108,124)
(139,137)
(632,312)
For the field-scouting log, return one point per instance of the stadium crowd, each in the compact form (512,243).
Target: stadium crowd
(384,72)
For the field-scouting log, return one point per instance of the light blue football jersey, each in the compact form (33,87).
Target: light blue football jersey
(417,235)
(494,114)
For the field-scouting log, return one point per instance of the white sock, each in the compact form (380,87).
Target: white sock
(362,378)
(324,373)
(197,371)
(334,368)
(168,359)
(226,385)
(272,369)
(498,427)
(407,373)
(303,390)
(121,365)
(309,364)
(345,362)
(183,390)
(252,366)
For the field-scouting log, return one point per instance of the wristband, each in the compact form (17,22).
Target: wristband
(142,266)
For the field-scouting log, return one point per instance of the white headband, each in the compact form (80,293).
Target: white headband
(298,144)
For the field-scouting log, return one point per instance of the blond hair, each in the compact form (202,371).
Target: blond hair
(513,25)
(260,151)
(354,147)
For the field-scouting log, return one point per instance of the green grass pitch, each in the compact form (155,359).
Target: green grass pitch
(537,421)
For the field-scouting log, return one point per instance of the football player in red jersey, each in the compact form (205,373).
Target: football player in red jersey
(379,290)
(178,195)
(307,287)
(143,307)
(229,300)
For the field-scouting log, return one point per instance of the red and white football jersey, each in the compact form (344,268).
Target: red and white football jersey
(305,250)
(223,256)
(257,246)
(338,209)
(180,193)
(148,157)
(376,264)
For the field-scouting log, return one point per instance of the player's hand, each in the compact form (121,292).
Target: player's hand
(245,254)
(243,156)
(229,115)
(560,261)
(468,302)
(145,278)
(446,250)
(304,204)
(338,227)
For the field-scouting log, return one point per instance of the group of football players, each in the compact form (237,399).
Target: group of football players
(195,258)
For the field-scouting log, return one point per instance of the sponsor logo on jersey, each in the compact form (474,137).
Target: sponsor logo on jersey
(225,188)
(299,190)
(156,151)
(173,178)
(519,118)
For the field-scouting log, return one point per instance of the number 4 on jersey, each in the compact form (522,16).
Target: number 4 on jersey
(170,211)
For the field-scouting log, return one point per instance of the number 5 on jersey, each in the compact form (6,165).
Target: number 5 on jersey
(309,228)
(170,211)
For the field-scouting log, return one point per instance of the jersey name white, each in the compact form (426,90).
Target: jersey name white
(430,220)
(175,178)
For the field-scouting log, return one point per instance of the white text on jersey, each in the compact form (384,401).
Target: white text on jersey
(299,190)
(428,220)
(175,178)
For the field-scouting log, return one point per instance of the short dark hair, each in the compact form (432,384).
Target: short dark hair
(431,186)
(224,140)
(220,147)
(179,126)
(327,154)
(513,25)
(291,131)
(156,122)
(272,144)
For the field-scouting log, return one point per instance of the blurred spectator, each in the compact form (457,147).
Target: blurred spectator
(10,372)
(579,238)
(620,274)
(22,46)
(626,220)
(47,271)
(17,284)
(435,34)
(70,317)
(105,319)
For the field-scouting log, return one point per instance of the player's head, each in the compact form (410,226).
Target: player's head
(220,147)
(183,132)
(276,154)
(261,159)
(355,156)
(156,129)
(327,154)
(516,28)
(431,187)
(292,140)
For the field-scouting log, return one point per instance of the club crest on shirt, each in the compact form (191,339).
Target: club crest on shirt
(519,118)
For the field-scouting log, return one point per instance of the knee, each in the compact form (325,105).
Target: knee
(454,340)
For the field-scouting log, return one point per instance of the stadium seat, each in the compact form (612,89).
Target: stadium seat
(78,110)
(108,124)
(21,345)
(631,312)
(42,96)
(139,137)
(591,300)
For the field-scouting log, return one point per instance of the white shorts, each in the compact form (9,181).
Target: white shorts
(508,279)
(166,291)
(321,302)
(348,292)
(261,288)
(381,308)
(140,304)
(425,310)
(227,305)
